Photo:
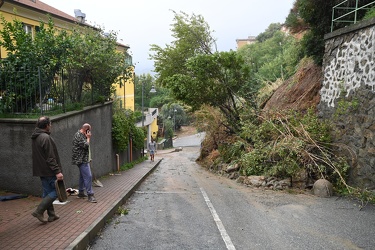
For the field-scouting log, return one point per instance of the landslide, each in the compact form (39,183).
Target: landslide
(300,92)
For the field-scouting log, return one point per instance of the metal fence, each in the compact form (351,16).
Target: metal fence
(345,13)
(38,92)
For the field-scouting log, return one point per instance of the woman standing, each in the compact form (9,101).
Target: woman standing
(152,148)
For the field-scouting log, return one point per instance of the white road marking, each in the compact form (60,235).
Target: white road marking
(219,224)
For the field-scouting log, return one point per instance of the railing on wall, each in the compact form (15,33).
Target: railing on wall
(27,92)
(347,14)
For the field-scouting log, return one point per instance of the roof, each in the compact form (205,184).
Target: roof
(42,7)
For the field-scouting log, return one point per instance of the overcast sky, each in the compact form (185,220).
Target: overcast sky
(140,23)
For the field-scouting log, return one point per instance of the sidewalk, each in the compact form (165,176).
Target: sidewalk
(79,222)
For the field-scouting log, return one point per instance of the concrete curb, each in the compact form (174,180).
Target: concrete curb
(84,239)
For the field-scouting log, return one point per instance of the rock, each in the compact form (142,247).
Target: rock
(178,149)
(323,188)
(285,183)
(254,180)
(233,176)
(241,179)
(232,168)
(300,179)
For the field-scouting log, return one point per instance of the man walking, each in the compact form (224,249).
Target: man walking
(80,157)
(46,165)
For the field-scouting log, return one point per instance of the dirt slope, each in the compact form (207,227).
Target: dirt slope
(300,92)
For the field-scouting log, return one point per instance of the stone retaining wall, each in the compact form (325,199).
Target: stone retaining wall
(348,96)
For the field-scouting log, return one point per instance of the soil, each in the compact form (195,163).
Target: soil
(186,131)
(300,92)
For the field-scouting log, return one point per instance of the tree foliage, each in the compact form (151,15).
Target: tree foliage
(27,54)
(146,81)
(193,36)
(175,113)
(317,16)
(274,58)
(269,32)
(196,74)
(123,127)
(46,50)
(87,56)
(93,61)
(370,13)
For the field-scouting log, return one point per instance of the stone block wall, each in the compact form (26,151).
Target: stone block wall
(348,96)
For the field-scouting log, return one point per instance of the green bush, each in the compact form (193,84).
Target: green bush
(123,126)
(132,164)
(282,145)
(232,151)
(120,131)
(369,14)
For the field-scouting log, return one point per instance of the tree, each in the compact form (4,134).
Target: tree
(269,32)
(173,112)
(88,56)
(317,16)
(147,81)
(196,74)
(123,127)
(46,52)
(93,62)
(272,59)
(193,36)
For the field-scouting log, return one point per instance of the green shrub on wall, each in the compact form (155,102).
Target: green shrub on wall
(120,131)
(138,136)
(123,126)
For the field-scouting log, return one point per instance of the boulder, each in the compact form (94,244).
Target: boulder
(323,188)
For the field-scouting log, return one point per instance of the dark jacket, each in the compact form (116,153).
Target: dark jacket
(46,161)
(80,152)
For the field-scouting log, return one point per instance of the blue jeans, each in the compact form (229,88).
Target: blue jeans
(48,184)
(85,178)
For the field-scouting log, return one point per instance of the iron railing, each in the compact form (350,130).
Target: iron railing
(348,14)
(27,92)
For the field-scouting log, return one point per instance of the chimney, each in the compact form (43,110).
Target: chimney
(80,16)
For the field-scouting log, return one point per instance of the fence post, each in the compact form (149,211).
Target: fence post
(92,92)
(355,12)
(40,92)
(63,88)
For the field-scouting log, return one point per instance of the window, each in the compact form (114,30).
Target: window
(128,60)
(28,29)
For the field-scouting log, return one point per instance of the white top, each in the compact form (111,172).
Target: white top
(152,146)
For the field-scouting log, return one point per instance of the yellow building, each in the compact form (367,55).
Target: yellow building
(245,41)
(125,89)
(154,127)
(31,12)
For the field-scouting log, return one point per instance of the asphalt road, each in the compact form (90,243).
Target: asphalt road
(182,206)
